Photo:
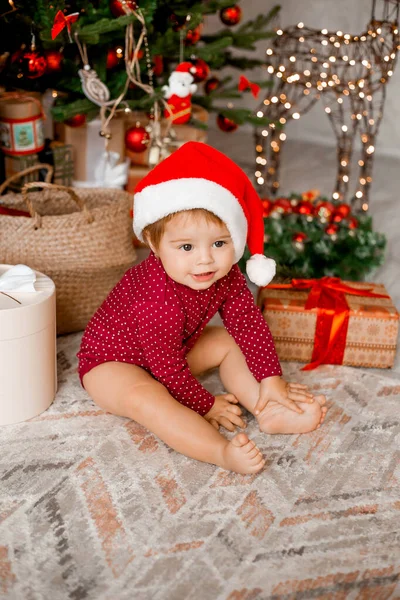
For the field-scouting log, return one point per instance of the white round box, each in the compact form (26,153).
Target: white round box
(28,367)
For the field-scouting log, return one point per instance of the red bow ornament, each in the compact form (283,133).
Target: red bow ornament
(245,84)
(61,21)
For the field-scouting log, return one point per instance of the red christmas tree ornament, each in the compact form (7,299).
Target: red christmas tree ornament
(225,124)
(76,120)
(353,223)
(324,210)
(231,15)
(32,64)
(211,85)
(193,36)
(331,229)
(267,206)
(119,8)
(299,237)
(136,139)
(54,59)
(304,208)
(112,58)
(179,93)
(200,70)
(282,205)
(336,217)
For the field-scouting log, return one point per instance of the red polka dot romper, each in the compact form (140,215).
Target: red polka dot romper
(152,321)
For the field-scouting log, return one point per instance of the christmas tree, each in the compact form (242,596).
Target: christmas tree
(39,43)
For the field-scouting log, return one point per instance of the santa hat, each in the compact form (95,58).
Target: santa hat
(186,67)
(198,176)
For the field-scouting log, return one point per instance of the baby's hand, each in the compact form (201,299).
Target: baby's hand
(287,394)
(225,412)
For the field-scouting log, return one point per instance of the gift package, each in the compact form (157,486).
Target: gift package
(329,321)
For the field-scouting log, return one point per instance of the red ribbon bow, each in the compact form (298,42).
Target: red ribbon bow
(328,296)
(61,21)
(244,84)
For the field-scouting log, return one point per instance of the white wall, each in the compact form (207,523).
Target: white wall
(349,16)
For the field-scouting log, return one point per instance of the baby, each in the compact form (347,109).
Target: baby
(146,344)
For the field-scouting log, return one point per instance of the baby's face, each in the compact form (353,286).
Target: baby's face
(196,252)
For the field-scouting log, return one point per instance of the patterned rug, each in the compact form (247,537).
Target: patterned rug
(93,506)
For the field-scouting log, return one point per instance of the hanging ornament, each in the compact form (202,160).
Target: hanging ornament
(54,59)
(231,15)
(200,70)
(179,92)
(76,120)
(193,36)
(136,139)
(332,230)
(32,64)
(304,208)
(225,124)
(267,206)
(119,8)
(61,21)
(324,210)
(211,85)
(113,57)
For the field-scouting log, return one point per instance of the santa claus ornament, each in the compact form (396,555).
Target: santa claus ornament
(179,92)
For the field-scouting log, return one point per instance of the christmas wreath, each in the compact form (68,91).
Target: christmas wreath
(310,236)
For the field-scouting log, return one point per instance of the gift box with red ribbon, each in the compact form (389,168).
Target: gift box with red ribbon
(330,321)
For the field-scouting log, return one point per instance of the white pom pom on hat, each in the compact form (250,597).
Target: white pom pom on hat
(199,176)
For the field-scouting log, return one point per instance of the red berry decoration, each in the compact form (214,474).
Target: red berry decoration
(76,121)
(211,85)
(282,205)
(304,208)
(32,64)
(343,209)
(53,61)
(225,124)
(119,8)
(299,237)
(267,206)
(331,229)
(201,70)
(231,15)
(353,223)
(193,36)
(136,139)
(324,210)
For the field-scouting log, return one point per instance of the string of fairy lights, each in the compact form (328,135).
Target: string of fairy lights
(348,73)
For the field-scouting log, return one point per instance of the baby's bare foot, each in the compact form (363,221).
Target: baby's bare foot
(241,455)
(276,418)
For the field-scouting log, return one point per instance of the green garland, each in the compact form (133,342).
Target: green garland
(320,240)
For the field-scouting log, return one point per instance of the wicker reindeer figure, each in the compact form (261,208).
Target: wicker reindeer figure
(349,74)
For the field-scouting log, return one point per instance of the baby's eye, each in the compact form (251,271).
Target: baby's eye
(219,243)
(186,247)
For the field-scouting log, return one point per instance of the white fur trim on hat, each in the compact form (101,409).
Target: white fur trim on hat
(260,269)
(157,201)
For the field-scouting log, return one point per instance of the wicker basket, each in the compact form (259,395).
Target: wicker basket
(82,239)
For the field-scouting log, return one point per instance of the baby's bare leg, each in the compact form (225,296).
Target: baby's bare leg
(129,391)
(216,347)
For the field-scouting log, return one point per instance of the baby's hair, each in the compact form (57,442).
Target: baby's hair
(154,232)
